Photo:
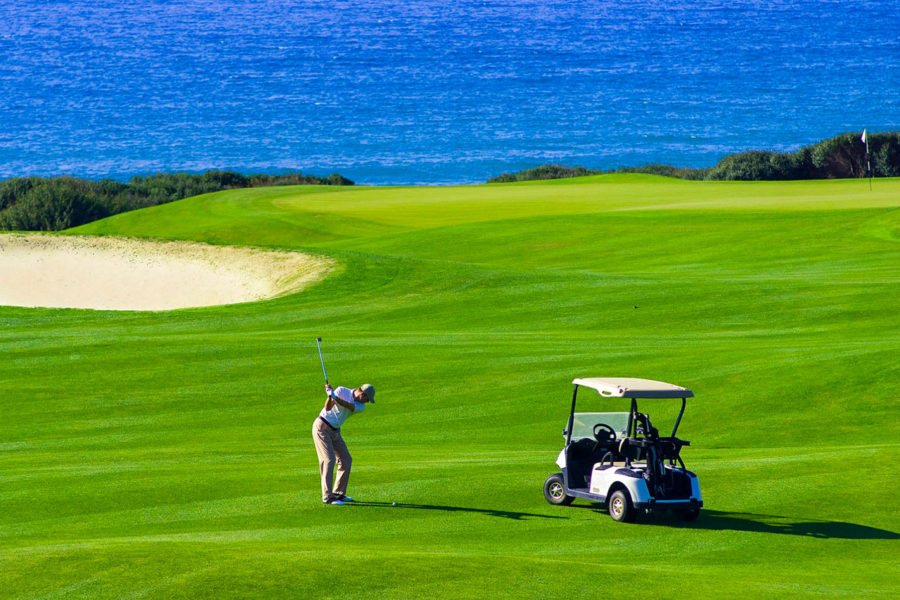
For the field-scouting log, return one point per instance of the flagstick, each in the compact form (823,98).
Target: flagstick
(865,139)
(869,167)
(868,164)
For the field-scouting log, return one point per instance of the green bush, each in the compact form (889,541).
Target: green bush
(52,204)
(56,205)
(885,154)
(543,172)
(754,165)
(11,189)
(839,157)
(665,171)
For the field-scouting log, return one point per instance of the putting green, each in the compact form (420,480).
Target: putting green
(160,455)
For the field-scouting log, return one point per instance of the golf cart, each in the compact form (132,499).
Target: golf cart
(619,458)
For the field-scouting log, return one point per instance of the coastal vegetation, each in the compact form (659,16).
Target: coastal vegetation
(843,156)
(56,203)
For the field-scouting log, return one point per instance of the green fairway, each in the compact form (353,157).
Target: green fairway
(169,455)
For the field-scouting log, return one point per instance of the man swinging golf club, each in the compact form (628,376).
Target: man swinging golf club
(341,403)
(326,431)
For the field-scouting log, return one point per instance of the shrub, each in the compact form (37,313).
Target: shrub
(51,207)
(839,157)
(52,204)
(754,165)
(543,172)
(885,154)
(665,171)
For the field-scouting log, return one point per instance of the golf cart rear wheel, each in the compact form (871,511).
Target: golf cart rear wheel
(620,507)
(555,491)
(689,515)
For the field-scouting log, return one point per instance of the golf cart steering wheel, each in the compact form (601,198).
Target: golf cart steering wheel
(603,433)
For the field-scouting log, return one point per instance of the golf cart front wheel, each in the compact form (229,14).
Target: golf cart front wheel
(620,507)
(555,491)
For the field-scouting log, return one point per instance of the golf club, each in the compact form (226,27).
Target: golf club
(322,360)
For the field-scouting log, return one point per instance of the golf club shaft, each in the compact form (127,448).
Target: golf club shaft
(322,360)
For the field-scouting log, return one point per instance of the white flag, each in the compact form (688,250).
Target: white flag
(863,137)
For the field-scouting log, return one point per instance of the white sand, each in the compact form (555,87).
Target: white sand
(127,274)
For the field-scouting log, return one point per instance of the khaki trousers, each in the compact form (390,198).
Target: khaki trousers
(332,450)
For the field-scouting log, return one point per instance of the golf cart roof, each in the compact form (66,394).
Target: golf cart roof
(630,387)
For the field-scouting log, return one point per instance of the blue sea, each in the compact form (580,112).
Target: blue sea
(433,92)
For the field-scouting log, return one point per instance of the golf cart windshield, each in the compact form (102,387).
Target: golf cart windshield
(583,424)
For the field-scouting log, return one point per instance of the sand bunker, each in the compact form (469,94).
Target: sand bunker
(126,274)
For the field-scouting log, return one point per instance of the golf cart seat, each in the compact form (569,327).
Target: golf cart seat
(580,459)
(582,455)
(669,448)
(632,449)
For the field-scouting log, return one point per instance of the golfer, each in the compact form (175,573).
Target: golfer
(326,431)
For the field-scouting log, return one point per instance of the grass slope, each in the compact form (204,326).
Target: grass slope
(161,455)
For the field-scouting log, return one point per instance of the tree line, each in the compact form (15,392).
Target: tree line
(56,203)
(843,156)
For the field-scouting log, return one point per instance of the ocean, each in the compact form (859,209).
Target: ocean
(433,92)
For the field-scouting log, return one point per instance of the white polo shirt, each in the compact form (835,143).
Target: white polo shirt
(338,414)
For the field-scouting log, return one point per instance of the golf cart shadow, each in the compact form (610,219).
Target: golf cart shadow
(505,514)
(734,521)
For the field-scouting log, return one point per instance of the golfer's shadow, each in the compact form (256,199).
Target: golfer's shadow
(735,521)
(505,514)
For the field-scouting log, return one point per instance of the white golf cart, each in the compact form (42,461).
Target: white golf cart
(620,459)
